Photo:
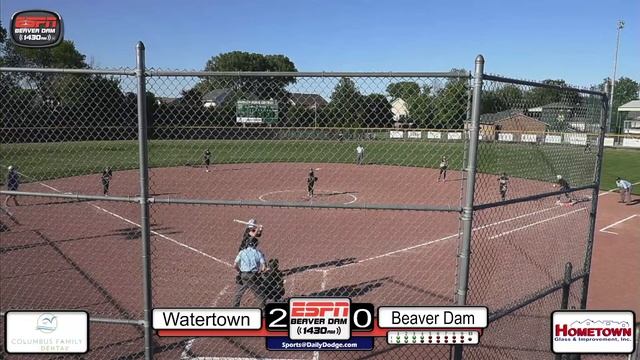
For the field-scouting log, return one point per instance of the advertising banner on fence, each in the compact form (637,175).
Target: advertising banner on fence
(531,138)
(434,135)
(396,134)
(505,137)
(608,141)
(47,331)
(414,135)
(592,332)
(576,139)
(256,112)
(553,139)
(631,142)
(454,136)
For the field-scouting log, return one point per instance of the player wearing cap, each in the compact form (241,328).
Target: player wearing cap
(311,182)
(359,154)
(444,164)
(106,179)
(13,183)
(252,232)
(503,182)
(624,187)
(207,159)
(564,187)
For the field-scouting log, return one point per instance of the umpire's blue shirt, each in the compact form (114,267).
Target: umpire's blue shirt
(250,259)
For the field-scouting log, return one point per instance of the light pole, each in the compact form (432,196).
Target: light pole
(613,82)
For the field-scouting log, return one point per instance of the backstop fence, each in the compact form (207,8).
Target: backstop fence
(131,179)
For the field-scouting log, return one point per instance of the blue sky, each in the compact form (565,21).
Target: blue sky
(540,39)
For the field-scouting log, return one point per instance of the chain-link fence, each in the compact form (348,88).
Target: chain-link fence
(389,188)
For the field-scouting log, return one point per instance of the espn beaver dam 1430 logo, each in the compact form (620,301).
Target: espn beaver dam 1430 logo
(593,332)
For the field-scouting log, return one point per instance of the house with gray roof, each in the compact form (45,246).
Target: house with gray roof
(308,101)
(219,97)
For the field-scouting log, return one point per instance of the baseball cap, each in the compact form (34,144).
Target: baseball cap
(10,168)
(558,177)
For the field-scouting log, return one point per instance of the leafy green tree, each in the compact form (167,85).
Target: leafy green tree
(450,103)
(301,116)
(422,110)
(541,96)
(262,87)
(61,99)
(346,104)
(265,87)
(3,34)
(405,90)
(65,55)
(508,97)
(626,89)
(377,111)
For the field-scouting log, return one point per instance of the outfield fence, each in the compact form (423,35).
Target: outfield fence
(381,227)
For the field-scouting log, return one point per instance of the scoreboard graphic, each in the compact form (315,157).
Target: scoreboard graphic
(322,323)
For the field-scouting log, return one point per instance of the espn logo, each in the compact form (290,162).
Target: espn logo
(36,22)
(36,29)
(334,309)
(319,318)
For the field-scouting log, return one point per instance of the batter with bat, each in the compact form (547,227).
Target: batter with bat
(252,231)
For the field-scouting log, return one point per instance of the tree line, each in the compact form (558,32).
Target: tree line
(30,99)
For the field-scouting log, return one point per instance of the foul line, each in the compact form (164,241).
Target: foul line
(151,231)
(614,189)
(189,344)
(604,229)
(536,223)
(430,242)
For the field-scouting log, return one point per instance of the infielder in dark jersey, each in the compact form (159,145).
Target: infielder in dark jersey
(13,183)
(207,159)
(311,182)
(503,182)
(564,186)
(106,178)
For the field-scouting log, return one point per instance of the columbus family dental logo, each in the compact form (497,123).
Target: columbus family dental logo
(47,323)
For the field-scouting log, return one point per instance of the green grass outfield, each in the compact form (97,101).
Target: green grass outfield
(55,160)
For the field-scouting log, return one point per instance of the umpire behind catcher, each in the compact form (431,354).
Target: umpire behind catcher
(249,263)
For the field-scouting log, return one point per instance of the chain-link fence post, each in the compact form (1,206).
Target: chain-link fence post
(566,286)
(467,209)
(566,291)
(144,198)
(594,202)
